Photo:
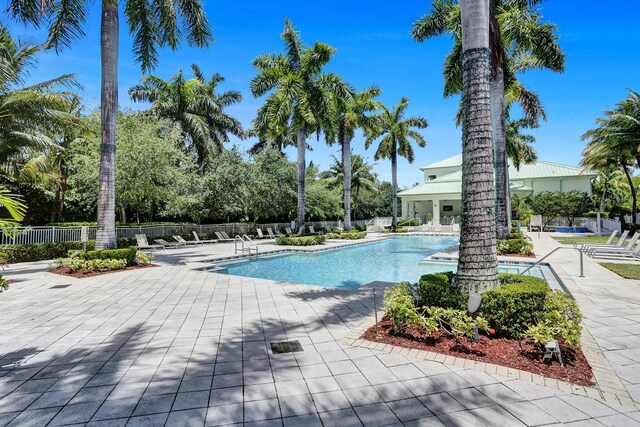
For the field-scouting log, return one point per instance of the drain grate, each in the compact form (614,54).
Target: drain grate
(59,286)
(286,347)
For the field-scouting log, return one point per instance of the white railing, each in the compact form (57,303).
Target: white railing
(611,224)
(46,234)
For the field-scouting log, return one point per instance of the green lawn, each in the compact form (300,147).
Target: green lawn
(572,240)
(628,271)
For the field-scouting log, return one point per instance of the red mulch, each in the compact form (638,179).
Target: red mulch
(498,351)
(80,274)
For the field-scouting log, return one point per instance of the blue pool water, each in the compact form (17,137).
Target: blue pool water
(392,260)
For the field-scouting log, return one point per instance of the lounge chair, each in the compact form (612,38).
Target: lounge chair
(604,245)
(225,235)
(616,252)
(141,239)
(313,231)
(609,242)
(195,235)
(180,239)
(271,233)
(260,234)
(613,249)
(301,230)
(169,244)
(288,230)
(221,238)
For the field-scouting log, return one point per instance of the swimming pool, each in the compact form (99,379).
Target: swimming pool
(395,259)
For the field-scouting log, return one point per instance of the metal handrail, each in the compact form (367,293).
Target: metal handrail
(247,245)
(556,249)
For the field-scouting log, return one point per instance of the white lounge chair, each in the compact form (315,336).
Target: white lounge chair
(225,235)
(271,233)
(591,251)
(195,235)
(169,244)
(141,239)
(604,245)
(609,241)
(260,234)
(617,253)
(288,230)
(313,231)
(221,237)
(180,239)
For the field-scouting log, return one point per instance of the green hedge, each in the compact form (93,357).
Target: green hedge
(300,240)
(438,290)
(347,235)
(516,305)
(127,254)
(361,227)
(44,251)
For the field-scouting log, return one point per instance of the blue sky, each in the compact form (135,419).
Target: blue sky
(374,47)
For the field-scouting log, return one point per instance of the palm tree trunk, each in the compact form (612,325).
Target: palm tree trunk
(477,266)
(346,171)
(394,186)
(604,194)
(302,148)
(634,196)
(106,230)
(498,127)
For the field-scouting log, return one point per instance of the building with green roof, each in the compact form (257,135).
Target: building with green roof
(438,198)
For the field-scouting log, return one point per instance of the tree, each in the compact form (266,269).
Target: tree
(477,263)
(616,141)
(154,24)
(519,41)
(299,96)
(28,113)
(351,113)
(396,133)
(552,204)
(362,178)
(14,207)
(195,109)
(519,145)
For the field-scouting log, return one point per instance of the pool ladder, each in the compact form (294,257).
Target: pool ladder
(246,245)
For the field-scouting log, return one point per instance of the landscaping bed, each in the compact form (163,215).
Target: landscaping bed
(79,274)
(498,351)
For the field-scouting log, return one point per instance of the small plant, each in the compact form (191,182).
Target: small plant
(400,308)
(144,258)
(560,321)
(4,283)
(456,322)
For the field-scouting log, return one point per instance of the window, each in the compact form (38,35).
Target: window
(447,208)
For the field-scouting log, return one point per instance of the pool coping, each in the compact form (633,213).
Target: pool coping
(608,386)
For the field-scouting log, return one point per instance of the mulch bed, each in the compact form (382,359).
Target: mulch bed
(80,274)
(498,351)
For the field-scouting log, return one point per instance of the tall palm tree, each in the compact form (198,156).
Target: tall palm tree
(477,264)
(14,207)
(299,96)
(616,140)
(361,177)
(396,132)
(154,24)
(27,113)
(519,41)
(519,145)
(351,113)
(195,109)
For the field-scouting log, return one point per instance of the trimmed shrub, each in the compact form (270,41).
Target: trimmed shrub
(79,264)
(396,229)
(296,240)
(516,305)
(361,227)
(560,321)
(41,251)
(127,254)
(438,290)
(347,235)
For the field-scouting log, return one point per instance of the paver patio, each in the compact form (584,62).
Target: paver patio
(178,346)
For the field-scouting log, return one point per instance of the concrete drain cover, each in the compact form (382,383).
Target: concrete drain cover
(59,286)
(286,347)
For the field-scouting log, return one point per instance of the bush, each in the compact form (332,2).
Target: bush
(361,227)
(347,235)
(41,251)
(4,284)
(560,321)
(516,305)
(438,290)
(455,322)
(399,306)
(80,264)
(396,229)
(517,246)
(127,254)
(296,240)
(410,222)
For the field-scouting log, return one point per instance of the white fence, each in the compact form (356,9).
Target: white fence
(45,234)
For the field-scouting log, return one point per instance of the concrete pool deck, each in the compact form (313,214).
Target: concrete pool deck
(176,345)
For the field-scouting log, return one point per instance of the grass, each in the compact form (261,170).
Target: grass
(589,239)
(628,271)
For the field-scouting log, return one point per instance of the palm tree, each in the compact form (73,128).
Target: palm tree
(396,133)
(362,177)
(477,264)
(519,42)
(13,205)
(519,145)
(154,24)
(28,113)
(195,109)
(299,96)
(351,113)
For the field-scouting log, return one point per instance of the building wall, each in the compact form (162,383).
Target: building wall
(438,172)
(557,184)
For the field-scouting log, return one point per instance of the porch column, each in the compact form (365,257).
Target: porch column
(436,211)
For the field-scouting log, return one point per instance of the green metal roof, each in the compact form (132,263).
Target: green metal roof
(452,187)
(446,163)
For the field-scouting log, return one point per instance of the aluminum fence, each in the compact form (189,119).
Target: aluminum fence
(46,234)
